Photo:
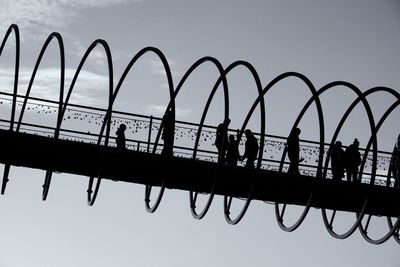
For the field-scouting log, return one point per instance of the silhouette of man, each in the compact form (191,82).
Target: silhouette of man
(221,139)
(167,124)
(121,136)
(251,149)
(337,161)
(293,148)
(232,150)
(352,161)
(395,164)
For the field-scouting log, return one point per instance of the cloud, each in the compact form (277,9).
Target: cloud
(159,110)
(157,67)
(36,16)
(91,88)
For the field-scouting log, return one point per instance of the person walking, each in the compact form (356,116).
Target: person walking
(167,124)
(337,161)
(120,140)
(221,139)
(293,149)
(232,150)
(251,149)
(352,161)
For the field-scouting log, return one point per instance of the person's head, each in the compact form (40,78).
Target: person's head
(122,127)
(295,132)
(338,144)
(248,132)
(356,143)
(231,138)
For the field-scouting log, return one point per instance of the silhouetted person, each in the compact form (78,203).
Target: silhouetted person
(121,136)
(167,124)
(232,150)
(337,161)
(352,161)
(251,149)
(293,149)
(395,164)
(221,139)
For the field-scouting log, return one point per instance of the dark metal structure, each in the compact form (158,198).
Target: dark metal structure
(316,184)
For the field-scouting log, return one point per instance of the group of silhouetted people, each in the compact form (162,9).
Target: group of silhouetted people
(345,161)
(342,161)
(228,146)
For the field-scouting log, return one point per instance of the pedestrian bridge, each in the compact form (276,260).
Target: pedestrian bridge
(62,137)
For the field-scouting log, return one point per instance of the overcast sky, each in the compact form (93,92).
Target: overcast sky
(355,41)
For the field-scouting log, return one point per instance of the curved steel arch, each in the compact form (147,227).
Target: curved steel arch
(193,195)
(59,39)
(373,136)
(13,28)
(361,97)
(310,86)
(392,228)
(227,203)
(171,103)
(106,125)
(371,120)
(107,50)
(326,88)
(167,69)
(322,137)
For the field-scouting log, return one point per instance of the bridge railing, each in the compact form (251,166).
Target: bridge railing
(83,123)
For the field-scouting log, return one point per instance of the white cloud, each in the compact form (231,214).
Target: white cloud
(91,88)
(36,16)
(157,67)
(159,110)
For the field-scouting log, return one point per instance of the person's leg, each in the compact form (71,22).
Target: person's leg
(354,174)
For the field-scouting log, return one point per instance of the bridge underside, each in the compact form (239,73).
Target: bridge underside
(85,159)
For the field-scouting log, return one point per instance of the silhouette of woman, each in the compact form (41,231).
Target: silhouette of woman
(232,151)
(352,160)
(293,148)
(251,149)
(121,136)
(167,124)
(337,161)
(221,139)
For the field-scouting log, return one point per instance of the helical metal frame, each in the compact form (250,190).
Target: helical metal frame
(259,102)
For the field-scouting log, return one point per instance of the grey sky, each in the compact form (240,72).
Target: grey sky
(356,41)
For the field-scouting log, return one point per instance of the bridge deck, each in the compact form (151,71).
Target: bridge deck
(26,150)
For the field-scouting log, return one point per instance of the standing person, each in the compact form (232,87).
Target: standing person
(167,124)
(232,150)
(293,148)
(121,136)
(395,164)
(221,139)
(251,149)
(352,161)
(337,161)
